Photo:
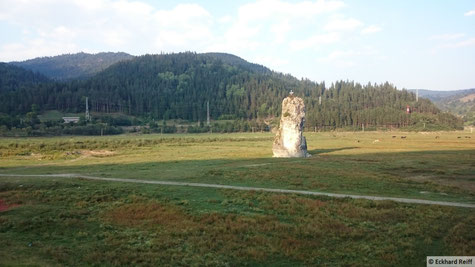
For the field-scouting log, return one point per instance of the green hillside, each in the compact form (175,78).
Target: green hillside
(461,104)
(458,102)
(178,86)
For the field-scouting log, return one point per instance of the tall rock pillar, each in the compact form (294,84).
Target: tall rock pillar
(289,141)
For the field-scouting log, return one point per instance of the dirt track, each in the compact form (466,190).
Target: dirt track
(245,188)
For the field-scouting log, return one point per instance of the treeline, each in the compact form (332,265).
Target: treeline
(58,128)
(179,86)
(216,127)
(100,124)
(30,125)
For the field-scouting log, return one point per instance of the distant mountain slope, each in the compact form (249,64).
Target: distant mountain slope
(458,102)
(237,61)
(438,95)
(179,86)
(72,66)
(461,104)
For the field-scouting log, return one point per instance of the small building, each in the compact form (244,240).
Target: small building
(71,119)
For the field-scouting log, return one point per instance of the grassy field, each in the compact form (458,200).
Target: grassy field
(53,115)
(58,221)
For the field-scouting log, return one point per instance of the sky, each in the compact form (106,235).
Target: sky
(426,44)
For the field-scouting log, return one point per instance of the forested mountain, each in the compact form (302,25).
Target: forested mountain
(178,86)
(72,66)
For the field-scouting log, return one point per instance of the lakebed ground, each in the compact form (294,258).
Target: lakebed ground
(48,221)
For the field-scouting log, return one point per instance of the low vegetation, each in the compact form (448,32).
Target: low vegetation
(61,221)
(437,164)
(67,222)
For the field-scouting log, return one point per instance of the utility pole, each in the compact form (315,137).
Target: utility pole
(207,113)
(88,116)
(417,95)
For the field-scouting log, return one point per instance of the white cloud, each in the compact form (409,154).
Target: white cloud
(116,37)
(183,26)
(90,4)
(137,27)
(124,25)
(468,42)
(342,24)
(266,22)
(339,54)
(280,31)
(239,36)
(34,48)
(271,62)
(315,41)
(447,37)
(340,58)
(262,9)
(454,44)
(371,29)
(58,33)
(225,19)
(470,13)
(350,58)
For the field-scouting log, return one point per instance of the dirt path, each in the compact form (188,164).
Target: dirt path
(245,188)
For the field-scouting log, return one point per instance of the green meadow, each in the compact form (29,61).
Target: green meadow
(71,221)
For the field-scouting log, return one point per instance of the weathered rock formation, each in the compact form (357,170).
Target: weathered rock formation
(289,141)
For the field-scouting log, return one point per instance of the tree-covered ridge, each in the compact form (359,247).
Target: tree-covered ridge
(14,78)
(237,61)
(351,104)
(72,66)
(178,86)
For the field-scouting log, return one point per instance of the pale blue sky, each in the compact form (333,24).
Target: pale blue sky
(412,44)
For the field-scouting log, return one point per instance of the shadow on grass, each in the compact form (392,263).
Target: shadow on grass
(435,175)
(321,151)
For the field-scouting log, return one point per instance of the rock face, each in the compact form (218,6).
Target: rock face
(289,141)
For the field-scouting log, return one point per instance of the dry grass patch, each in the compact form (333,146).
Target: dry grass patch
(147,214)
(97,153)
(237,236)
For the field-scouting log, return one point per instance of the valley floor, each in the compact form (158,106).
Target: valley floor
(53,220)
